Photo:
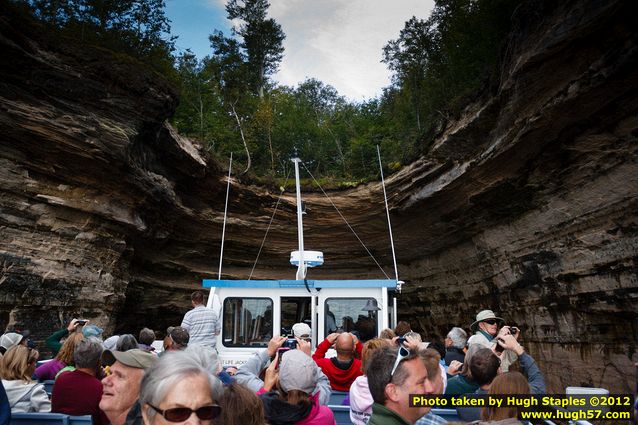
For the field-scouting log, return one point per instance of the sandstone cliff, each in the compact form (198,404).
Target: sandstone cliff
(524,204)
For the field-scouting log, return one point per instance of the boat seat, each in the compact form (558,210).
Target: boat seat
(39,419)
(342,414)
(449,415)
(81,420)
(337,397)
(48,386)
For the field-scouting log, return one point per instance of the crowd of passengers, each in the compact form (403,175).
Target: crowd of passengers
(123,380)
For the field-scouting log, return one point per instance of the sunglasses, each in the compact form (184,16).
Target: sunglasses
(401,354)
(490,321)
(180,414)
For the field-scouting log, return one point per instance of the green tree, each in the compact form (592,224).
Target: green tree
(229,71)
(262,40)
(409,57)
(137,27)
(56,12)
(189,117)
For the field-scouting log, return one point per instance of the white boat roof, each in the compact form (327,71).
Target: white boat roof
(366,283)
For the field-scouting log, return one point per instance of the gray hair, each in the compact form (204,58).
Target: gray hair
(87,353)
(206,356)
(172,367)
(147,336)
(458,337)
(413,335)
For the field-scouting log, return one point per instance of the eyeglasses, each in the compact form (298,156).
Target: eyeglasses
(491,321)
(180,414)
(401,354)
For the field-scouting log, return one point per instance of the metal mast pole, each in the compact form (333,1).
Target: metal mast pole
(387,211)
(221,254)
(301,269)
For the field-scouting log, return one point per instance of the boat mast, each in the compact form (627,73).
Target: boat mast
(301,269)
(387,212)
(221,253)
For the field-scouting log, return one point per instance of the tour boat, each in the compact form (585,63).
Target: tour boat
(253,311)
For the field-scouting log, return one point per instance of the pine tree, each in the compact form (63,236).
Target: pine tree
(262,40)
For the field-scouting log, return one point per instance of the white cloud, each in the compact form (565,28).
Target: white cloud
(339,42)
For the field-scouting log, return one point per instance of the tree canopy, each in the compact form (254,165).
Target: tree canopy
(436,63)
(136,27)
(230,101)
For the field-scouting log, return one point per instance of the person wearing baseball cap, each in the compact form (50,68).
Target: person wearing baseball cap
(122,386)
(11,339)
(248,374)
(302,330)
(177,338)
(287,394)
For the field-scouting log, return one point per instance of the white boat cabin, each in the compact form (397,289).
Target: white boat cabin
(253,311)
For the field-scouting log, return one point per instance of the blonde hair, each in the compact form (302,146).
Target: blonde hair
(387,333)
(369,347)
(505,384)
(65,355)
(16,363)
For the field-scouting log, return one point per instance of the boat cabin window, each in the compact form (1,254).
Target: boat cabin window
(247,322)
(351,315)
(294,310)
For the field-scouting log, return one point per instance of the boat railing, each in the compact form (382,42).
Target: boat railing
(49,419)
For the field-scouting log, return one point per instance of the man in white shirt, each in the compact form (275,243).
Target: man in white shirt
(201,323)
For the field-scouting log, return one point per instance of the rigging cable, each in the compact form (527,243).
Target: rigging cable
(387,211)
(346,221)
(282,188)
(221,254)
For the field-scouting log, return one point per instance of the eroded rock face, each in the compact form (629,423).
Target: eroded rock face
(538,216)
(525,204)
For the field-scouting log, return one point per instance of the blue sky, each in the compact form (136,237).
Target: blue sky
(193,21)
(336,41)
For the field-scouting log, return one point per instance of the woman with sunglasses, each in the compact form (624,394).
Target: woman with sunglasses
(25,395)
(180,388)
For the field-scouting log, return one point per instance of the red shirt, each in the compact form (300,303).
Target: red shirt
(340,379)
(78,393)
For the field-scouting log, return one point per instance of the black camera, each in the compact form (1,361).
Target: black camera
(401,340)
(290,343)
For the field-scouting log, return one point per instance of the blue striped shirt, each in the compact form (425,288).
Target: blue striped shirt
(202,325)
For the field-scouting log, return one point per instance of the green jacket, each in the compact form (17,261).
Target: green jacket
(459,384)
(381,415)
(53,342)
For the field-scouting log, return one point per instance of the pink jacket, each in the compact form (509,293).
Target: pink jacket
(319,415)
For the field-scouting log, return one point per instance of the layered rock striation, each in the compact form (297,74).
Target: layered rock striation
(525,203)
